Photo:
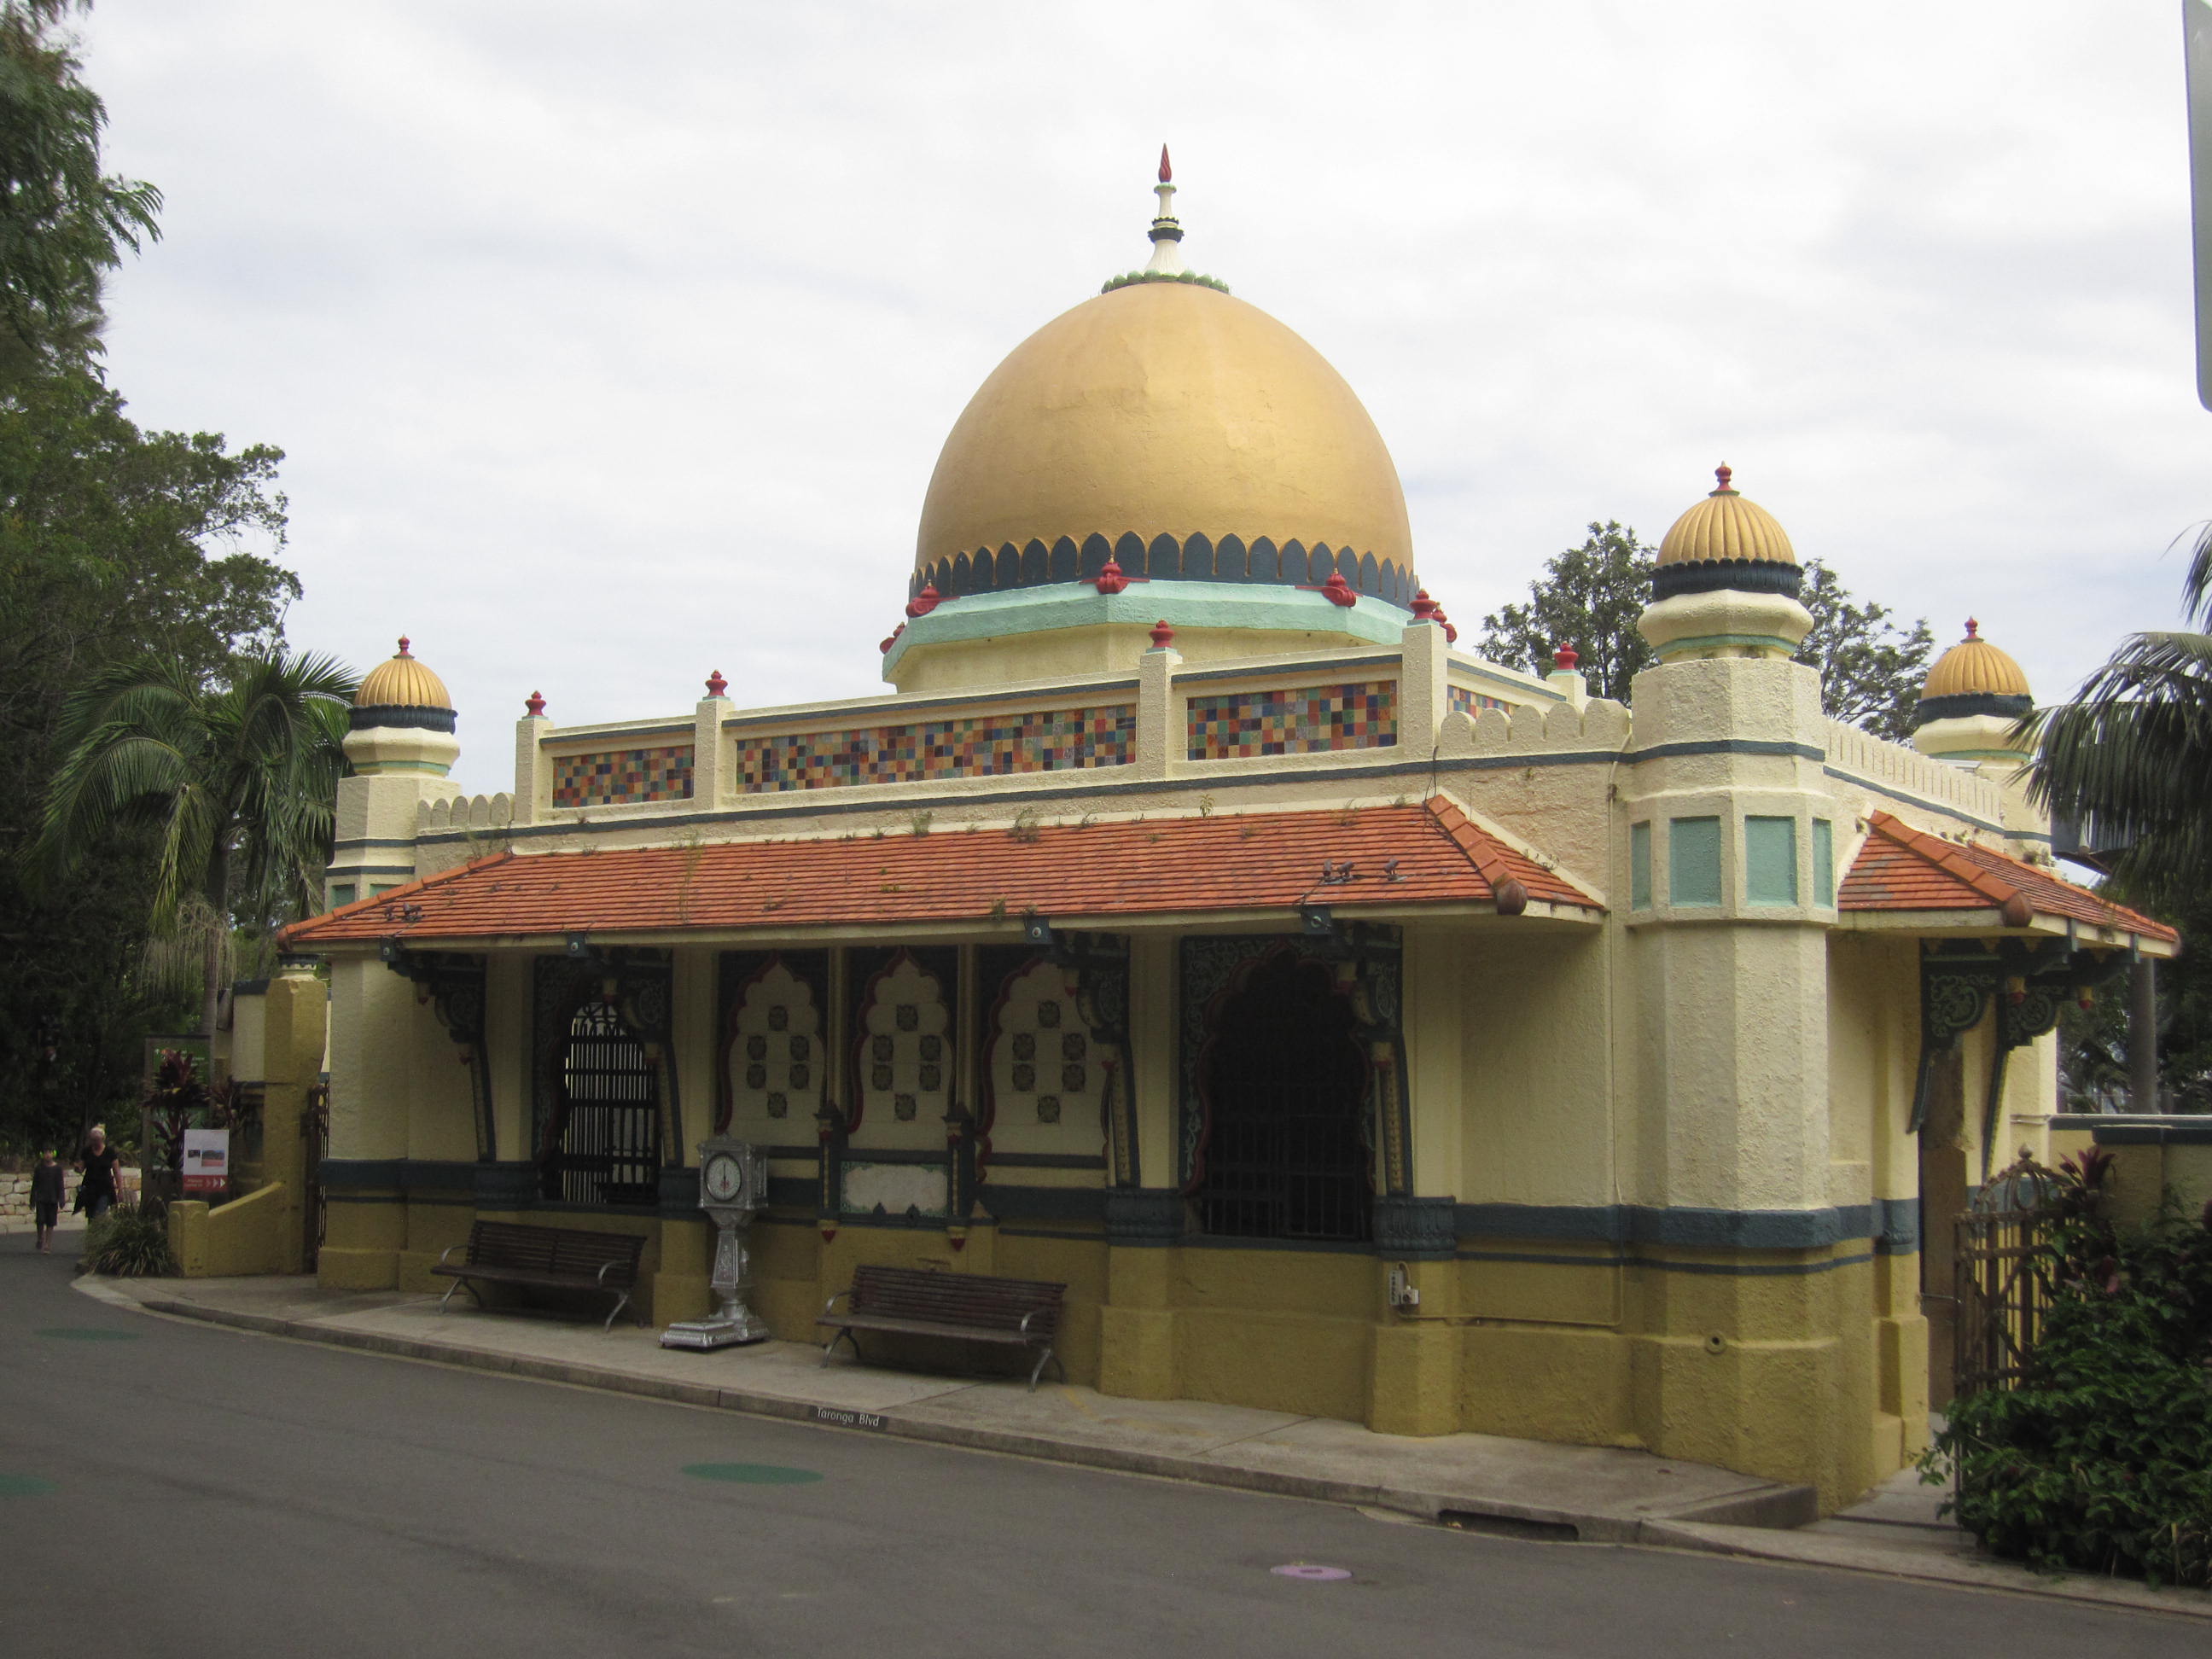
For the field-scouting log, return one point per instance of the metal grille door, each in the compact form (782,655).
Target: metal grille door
(2004,1277)
(610,1115)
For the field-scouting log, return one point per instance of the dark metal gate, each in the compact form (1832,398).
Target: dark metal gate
(315,1138)
(2005,1276)
(610,1147)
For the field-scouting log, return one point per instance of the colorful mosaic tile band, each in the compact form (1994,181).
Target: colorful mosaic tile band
(622,775)
(987,745)
(1303,720)
(1461,700)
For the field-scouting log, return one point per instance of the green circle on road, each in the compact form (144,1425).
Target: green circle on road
(752,1474)
(87,1333)
(24,1485)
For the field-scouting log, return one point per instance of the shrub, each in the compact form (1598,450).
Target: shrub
(131,1241)
(2102,1458)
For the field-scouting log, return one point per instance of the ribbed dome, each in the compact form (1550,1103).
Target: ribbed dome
(1725,528)
(1164,409)
(1974,667)
(402,683)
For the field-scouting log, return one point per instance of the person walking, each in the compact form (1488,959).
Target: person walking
(46,1186)
(97,1192)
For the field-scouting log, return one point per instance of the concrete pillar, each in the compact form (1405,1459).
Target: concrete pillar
(1423,696)
(533,772)
(2142,1036)
(708,784)
(1161,738)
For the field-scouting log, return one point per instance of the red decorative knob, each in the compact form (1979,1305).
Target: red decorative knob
(885,648)
(1451,634)
(535,704)
(1424,608)
(1336,592)
(1566,658)
(716,684)
(1724,473)
(1162,634)
(1111,579)
(925,602)
(404,643)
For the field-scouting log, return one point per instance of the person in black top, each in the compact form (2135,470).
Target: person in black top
(96,1193)
(46,1185)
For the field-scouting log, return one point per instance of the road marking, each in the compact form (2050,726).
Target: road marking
(87,1333)
(25,1486)
(752,1474)
(1309,1572)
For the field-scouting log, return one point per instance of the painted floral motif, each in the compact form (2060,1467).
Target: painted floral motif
(768,1074)
(910,1052)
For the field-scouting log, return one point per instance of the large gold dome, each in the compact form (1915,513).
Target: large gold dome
(1164,409)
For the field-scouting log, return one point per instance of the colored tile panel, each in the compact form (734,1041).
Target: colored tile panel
(1305,720)
(988,745)
(619,776)
(1458,700)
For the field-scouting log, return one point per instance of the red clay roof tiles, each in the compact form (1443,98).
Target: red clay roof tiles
(1256,860)
(1901,868)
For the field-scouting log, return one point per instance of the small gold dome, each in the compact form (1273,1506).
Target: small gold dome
(402,683)
(1725,528)
(1974,667)
(1164,407)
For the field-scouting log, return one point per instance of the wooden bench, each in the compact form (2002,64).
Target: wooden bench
(971,1307)
(546,1258)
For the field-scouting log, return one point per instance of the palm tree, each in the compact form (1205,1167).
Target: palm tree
(2130,758)
(234,780)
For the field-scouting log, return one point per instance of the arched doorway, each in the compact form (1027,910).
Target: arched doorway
(603,1147)
(1283,1077)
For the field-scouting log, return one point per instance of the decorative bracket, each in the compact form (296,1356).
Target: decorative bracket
(454,985)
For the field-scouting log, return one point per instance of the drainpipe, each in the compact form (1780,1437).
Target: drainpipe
(2142,1036)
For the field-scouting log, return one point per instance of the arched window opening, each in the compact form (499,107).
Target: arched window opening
(607,1149)
(1284,1078)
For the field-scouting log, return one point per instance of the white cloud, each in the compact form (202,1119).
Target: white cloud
(612,345)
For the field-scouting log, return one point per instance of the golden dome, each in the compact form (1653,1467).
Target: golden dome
(1726,527)
(1164,407)
(402,683)
(1975,668)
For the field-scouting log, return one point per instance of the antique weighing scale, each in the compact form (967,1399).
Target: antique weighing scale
(732,1189)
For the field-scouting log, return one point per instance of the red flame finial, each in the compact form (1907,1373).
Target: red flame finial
(403,645)
(535,704)
(1167,173)
(1724,473)
(716,684)
(1162,634)
(1564,658)
(1973,628)
(1424,608)
(1112,579)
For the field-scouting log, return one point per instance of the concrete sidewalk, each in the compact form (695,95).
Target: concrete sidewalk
(1480,1482)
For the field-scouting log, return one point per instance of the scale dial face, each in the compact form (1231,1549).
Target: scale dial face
(725,1178)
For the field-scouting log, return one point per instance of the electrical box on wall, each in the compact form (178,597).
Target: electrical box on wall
(1403,1291)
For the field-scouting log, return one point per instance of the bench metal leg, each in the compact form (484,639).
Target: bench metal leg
(1048,1358)
(475,1295)
(844,1336)
(621,1302)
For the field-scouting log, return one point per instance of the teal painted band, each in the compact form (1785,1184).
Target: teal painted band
(1250,606)
(1706,642)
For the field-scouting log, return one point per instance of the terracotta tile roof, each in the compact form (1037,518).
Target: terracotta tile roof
(1259,861)
(1901,868)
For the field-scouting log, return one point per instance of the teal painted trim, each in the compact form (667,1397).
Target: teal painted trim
(1824,862)
(839,714)
(1769,861)
(1693,863)
(1711,1269)
(1725,746)
(1460,669)
(601,735)
(373,841)
(1639,864)
(1247,605)
(357,870)
(1773,642)
(382,768)
(1944,807)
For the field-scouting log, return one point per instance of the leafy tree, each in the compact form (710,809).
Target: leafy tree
(113,542)
(64,222)
(232,778)
(1590,596)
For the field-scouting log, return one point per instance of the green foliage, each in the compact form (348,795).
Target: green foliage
(113,542)
(1589,597)
(1130,279)
(131,1241)
(64,222)
(2101,1459)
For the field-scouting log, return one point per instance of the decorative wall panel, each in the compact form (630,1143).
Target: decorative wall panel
(1461,700)
(1302,720)
(619,776)
(990,746)
(775,1057)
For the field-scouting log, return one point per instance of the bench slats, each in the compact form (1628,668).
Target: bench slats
(973,1307)
(552,1258)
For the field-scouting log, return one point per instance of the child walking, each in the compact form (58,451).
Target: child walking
(46,1198)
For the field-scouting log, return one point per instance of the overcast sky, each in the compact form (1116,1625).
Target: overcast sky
(610,344)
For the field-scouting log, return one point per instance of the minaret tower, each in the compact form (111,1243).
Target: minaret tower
(1166,230)
(400,740)
(1970,714)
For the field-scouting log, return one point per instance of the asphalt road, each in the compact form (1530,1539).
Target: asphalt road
(167,1489)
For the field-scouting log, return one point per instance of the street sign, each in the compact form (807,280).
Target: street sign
(2197,33)
(207,1160)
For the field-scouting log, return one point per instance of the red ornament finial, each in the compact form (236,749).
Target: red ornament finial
(1973,628)
(1167,173)
(716,684)
(535,704)
(1724,473)
(1110,578)
(1336,591)
(1451,634)
(1162,634)
(403,645)
(885,648)
(1424,608)
(925,601)
(1564,658)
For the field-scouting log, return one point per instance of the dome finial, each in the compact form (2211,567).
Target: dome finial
(403,645)
(1973,628)
(1166,233)
(1721,474)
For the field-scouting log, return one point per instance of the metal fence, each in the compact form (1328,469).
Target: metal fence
(2005,1277)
